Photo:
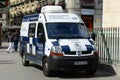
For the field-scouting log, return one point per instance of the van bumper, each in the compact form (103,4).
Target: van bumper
(68,63)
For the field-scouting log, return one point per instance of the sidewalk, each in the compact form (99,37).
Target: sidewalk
(4,46)
(6,58)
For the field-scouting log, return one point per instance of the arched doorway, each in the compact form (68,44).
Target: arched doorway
(88,19)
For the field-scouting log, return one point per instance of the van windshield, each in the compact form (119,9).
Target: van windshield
(66,30)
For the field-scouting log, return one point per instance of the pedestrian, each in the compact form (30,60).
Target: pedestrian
(16,40)
(10,39)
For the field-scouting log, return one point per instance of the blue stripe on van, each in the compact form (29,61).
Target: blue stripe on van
(89,47)
(55,43)
(33,17)
(35,40)
(25,39)
(65,48)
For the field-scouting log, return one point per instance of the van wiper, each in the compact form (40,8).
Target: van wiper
(67,37)
(57,37)
(74,36)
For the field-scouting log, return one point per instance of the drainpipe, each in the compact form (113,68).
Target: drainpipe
(73,6)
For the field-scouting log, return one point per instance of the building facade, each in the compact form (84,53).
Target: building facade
(87,9)
(3,12)
(19,8)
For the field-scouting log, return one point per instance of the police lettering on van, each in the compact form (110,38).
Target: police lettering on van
(57,41)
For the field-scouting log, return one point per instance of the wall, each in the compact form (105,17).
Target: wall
(111,13)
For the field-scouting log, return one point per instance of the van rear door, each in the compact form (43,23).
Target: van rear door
(31,35)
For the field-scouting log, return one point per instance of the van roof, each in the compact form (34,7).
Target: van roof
(62,17)
(53,17)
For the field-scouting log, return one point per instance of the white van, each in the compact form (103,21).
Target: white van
(57,41)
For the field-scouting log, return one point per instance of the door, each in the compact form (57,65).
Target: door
(88,20)
(40,42)
(31,49)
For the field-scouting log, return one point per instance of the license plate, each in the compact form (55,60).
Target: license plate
(80,63)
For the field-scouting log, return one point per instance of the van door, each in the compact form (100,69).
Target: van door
(31,35)
(41,41)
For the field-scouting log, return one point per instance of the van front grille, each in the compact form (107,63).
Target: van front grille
(86,52)
(70,53)
(74,53)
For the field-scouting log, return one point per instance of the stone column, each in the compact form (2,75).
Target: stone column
(98,13)
(73,6)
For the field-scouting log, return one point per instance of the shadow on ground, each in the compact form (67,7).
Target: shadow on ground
(78,74)
(3,47)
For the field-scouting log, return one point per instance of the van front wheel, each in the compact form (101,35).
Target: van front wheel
(24,61)
(46,70)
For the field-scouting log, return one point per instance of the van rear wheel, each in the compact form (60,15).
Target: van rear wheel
(46,70)
(24,61)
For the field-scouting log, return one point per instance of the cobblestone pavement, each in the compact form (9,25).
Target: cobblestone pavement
(12,69)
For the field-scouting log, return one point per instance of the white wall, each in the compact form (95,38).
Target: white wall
(111,13)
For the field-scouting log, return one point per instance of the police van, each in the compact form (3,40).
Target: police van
(57,41)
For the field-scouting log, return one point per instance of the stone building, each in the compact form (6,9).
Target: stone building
(3,12)
(89,10)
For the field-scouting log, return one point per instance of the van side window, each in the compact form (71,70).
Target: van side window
(31,32)
(40,29)
(40,33)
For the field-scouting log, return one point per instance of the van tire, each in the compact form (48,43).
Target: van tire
(24,61)
(46,70)
(91,72)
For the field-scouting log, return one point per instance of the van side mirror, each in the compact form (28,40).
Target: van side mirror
(41,37)
(93,35)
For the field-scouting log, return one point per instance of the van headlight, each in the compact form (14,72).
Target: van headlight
(92,42)
(56,51)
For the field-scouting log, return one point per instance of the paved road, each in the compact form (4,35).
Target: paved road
(12,69)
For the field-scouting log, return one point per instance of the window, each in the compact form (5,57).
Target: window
(31,32)
(40,29)
(87,4)
(40,33)
(61,3)
(0,15)
(67,30)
